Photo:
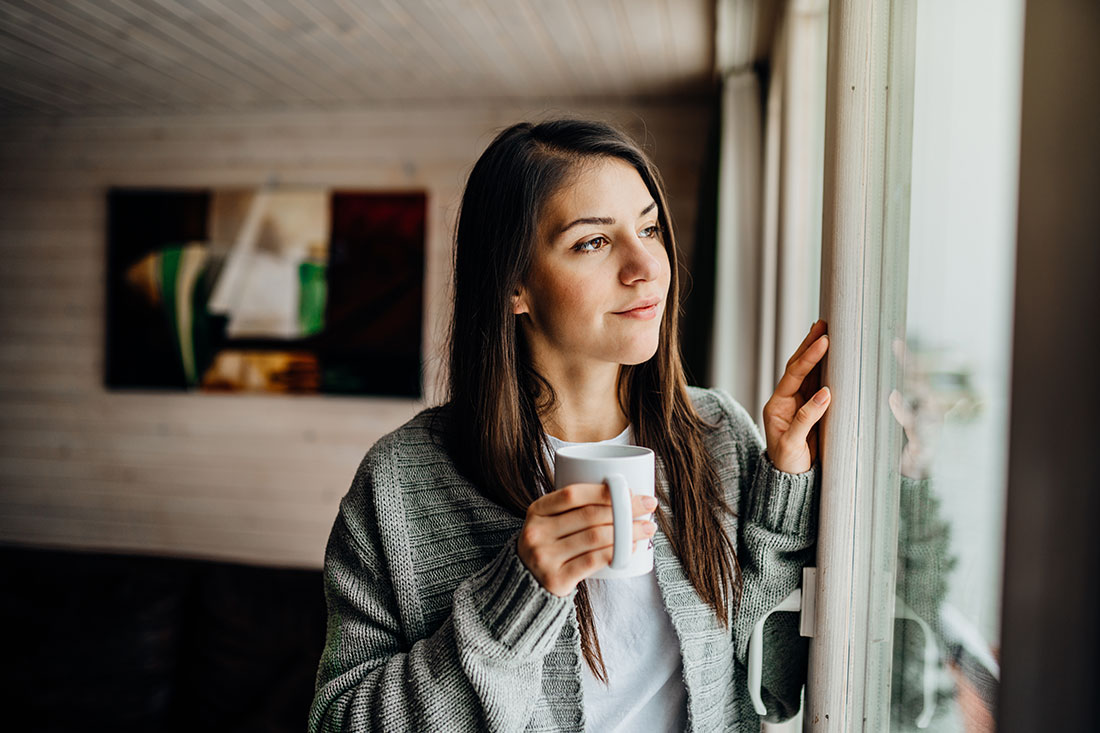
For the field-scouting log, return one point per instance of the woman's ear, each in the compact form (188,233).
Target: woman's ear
(519,301)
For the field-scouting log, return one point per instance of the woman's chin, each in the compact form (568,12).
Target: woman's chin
(638,354)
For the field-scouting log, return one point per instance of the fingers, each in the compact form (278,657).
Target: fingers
(902,412)
(808,416)
(581,535)
(601,537)
(800,365)
(592,515)
(560,564)
(795,407)
(592,549)
(574,496)
(816,331)
(570,497)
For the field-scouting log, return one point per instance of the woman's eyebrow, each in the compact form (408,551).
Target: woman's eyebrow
(603,220)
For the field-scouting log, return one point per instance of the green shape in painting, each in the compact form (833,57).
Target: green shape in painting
(313,292)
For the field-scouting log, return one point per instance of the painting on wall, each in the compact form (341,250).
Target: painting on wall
(270,290)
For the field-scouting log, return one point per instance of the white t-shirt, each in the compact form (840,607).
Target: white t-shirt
(640,651)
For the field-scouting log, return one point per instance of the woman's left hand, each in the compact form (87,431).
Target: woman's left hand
(792,413)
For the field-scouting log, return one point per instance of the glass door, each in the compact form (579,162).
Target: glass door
(953,398)
(922,132)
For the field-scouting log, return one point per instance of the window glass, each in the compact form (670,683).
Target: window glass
(954,358)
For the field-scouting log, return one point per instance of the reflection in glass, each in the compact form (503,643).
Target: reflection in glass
(951,400)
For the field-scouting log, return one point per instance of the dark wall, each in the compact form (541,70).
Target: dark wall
(116,643)
(1051,606)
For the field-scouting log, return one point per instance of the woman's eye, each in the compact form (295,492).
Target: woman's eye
(651,231)
(590,245)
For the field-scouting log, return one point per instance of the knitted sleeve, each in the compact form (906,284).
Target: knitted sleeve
(924,556)
(778,530)
(480,670)
(923,570)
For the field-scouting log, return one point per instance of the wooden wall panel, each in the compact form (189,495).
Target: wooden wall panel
(247,478)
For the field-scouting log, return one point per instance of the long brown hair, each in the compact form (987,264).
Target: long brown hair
(496,395)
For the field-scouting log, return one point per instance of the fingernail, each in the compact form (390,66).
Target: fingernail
(650,527)
(648,502)
(822,396)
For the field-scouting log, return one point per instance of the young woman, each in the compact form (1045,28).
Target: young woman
(455,574)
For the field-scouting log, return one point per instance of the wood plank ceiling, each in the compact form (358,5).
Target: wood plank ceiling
(80,57)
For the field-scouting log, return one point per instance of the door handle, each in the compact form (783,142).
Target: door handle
(801,601)
(931,662)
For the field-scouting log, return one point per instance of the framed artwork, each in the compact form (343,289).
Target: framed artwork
(269,290)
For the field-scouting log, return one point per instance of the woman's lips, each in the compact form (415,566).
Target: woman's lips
(644,313)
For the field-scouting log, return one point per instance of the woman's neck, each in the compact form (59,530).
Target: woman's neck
(587,407)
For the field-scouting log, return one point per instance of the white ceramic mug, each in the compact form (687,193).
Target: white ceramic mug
(627,470)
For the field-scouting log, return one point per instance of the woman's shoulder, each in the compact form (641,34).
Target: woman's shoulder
(406,459)
(730,435)
(424,433)
(720,410)
(413,453)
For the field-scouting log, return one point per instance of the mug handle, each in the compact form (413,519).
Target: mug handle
(623,520)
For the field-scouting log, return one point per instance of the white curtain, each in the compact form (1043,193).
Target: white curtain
(737,297)
(768,257)
(767,263)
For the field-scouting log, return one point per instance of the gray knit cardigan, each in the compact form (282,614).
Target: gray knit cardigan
(434,623)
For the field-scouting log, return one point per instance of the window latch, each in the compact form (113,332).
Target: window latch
(800,601)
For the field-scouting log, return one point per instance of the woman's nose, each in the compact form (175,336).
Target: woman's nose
(639,262)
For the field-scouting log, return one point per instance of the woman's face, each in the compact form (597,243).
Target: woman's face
(599,278)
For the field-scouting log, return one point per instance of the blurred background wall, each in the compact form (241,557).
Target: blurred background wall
(177,94)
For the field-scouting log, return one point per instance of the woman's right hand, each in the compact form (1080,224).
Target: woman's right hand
(569,534)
